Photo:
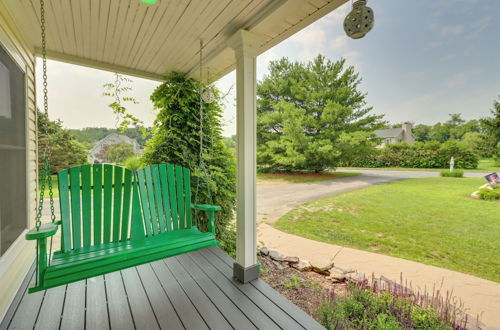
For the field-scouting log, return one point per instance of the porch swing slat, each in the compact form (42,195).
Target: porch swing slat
(180,196)
(74,177)
(117,202)
(86,204)
(62,182)
(173,194)
(187,195)
(108,194)
(165,196)
(145,206)
(127,189)
(151,200)
(159,202)
(97,189)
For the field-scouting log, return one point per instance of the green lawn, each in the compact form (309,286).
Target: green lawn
(55,191)
(485,165)
(428,220)
(304,177)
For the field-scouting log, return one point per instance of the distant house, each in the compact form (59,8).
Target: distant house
(396,135)
(98,153)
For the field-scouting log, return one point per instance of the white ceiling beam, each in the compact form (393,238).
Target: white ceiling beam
(61,57)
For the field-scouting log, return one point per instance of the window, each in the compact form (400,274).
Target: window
(13,210)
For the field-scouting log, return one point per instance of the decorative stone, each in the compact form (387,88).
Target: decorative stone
(322,269)
(355,277)
(302,265)
(337,275)
(291,260)
(275,255)
(264,251)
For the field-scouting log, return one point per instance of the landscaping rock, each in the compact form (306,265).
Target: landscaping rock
(337,274)
(355,277)
(291,260)
(302,265)
(275,255)
(322,269)
(264,251)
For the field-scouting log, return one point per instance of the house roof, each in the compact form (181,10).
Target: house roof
(149,41)
(389,133)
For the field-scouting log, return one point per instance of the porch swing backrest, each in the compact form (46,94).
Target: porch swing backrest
(165,194)
(96,205)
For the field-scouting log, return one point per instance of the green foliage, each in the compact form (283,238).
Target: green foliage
(490,194)
(119,152)
(311,116)
(176,140)
(362,308)
(133,163)
(480,143)
(452,174)
(430,154)
(65,151)
(294,282)
(118,91)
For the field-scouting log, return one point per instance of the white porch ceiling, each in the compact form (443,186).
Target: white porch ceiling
(149,41)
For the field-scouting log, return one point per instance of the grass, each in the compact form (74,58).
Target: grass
(452,174)
(428,220)
(485,165)
(303,177)
(55,190)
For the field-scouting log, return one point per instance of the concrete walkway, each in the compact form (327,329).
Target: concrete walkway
(479,296)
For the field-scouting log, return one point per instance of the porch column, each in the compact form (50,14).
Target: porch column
(245,46)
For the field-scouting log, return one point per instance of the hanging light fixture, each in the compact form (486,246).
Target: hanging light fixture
(149,2)
(359,21)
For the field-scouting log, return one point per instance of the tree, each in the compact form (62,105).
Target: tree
(176,140)
(491,125)
(311,116)
(65,151)
(422,132)
(119,152)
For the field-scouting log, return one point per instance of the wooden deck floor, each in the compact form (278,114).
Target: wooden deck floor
(191,291)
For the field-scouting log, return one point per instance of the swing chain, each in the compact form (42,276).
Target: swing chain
(46,173)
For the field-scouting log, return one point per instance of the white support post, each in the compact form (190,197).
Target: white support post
(245,45)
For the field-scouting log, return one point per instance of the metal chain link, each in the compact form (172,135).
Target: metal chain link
(46,178)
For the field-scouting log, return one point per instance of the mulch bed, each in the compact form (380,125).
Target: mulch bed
(307,290)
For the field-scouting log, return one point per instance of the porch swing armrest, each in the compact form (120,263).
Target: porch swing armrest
(40,235)
(210,209)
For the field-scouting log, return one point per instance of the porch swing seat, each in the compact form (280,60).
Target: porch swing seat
(114,218)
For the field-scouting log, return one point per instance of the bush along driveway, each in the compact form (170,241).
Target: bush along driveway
(273,201)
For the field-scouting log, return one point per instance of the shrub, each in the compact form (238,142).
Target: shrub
(176,140)
(369,307)
(419,155)
(489,194)
(133,163)
(119,152)
(452,174)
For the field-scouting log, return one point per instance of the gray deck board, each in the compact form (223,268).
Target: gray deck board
(73,317)
(142,312)
(291,309)
(96,315)
(120,316)
(164,311)
(191,291)
(234,316)
(208,311)
(272,310)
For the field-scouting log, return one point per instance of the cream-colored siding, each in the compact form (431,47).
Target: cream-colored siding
(15,263)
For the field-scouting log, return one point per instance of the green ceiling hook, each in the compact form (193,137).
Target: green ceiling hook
(149,2)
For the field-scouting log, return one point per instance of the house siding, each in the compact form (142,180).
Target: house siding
(15,263)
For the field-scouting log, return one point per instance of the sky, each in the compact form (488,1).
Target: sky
(421,61)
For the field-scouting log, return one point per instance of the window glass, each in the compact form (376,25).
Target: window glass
(13,212)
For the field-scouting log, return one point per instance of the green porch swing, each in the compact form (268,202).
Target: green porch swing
(113,218)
